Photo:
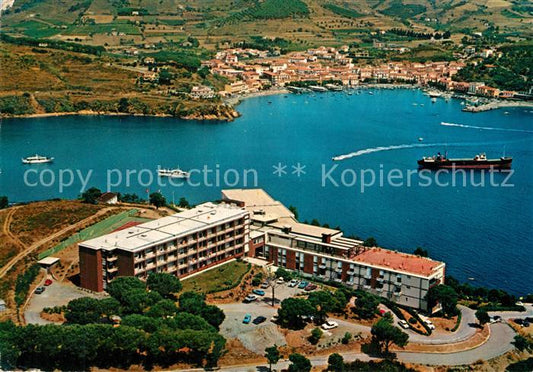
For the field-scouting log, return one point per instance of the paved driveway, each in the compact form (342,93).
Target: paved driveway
(57,294)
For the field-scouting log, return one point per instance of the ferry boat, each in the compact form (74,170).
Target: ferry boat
(334,87)
(318,88)
(172,173)
(480,161)
(37,159)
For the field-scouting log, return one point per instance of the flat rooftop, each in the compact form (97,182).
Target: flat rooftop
(398,261)
(262,206)
(166,228)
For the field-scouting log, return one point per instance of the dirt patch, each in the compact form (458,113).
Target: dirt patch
(444,324)
(56,318)
(238,354)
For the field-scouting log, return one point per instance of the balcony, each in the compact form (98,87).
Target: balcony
(366,276)
(338,269)
(380,279)
(350,272)
(112,258)
(322,266)
(113,269)
(367,287)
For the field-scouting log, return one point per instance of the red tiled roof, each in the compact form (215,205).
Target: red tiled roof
(398,261)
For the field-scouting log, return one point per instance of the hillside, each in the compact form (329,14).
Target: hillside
(115,23)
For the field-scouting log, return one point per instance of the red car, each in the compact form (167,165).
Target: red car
(311,287)
(47,282)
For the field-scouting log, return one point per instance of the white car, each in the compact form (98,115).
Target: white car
(519,303)
(330,324)
(430,324)
(280,280)
(293,283)
(250,298)
(265,285)
(402,323)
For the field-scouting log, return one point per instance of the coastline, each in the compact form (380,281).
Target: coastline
(495,105)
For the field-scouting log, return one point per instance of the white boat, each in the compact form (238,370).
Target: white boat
(172,173)
(433,100)
(37,159)
(420,139)
(318,88)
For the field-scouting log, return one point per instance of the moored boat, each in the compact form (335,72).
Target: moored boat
(172,173)
(480,161)
(37,159)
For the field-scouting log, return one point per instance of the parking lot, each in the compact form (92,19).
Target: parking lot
(57,294)
(257,337)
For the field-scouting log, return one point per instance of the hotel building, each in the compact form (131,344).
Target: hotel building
(249,222)
(323,253)
(180,244)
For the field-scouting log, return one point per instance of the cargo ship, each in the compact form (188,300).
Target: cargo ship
(480,161)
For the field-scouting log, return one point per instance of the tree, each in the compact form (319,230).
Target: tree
(91,196)
(316,333)
(419,251)
(446,296)
(366,305)
(136,301)
(4,203)
(521,343)
(162,309)
(294,211)
(384,334)
(292,310)
(273,356)
(335,363)
(157,199)
(123,284)
(109,306)
(370,242)
(83,310)
(482,316)
(213,314)
(183,203)
(163,283)
(346,338)
(299,363)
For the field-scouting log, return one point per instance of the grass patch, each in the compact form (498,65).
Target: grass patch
(343,12)
(218,279)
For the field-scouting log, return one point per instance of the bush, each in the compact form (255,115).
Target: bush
(24,280)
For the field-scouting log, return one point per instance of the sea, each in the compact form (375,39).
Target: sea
(479,223)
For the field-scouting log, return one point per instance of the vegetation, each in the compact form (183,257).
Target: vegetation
(218,279)
(405,11)
(419,251)
(165,285)
(521,366)
(299,363)
(16,105)
(24,280)
(316,334)
(4,203)
(336,363)
(385,334)
(292,312)
(153,331)
(343,12)
(522,343)
(366,304)
(370,242)
(55,44)
(446,296)
(271,9)
(272,355)
(482,316)
(157,199)
(91,195)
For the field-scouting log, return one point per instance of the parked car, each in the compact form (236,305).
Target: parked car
(39,290)
(258,292)
(495,319)
(429,324)
(311,287)
(402,323)
(525,324)
(264,285)
(519,303)
(280,280)
(250,298)
(519,321)
(247,319)
(329,324)
(260,319)
(48,282)
(293,283)
(303,284)
(529,319)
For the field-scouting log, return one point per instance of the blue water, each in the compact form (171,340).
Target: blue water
(480,232)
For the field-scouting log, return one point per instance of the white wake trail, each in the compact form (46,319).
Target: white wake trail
(385,148)
(485,128)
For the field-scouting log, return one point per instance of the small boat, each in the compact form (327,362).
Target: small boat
(318,88)
(420,139)
(433,100)
(37,159)
(172,173)
(371,93)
